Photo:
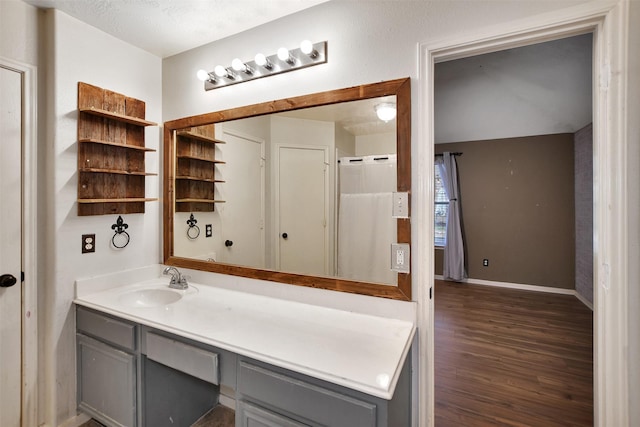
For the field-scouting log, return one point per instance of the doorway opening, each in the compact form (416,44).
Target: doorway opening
(513,116)
(609,25)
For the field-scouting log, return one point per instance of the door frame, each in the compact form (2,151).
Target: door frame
(29,338)
(609,24)
(276,197)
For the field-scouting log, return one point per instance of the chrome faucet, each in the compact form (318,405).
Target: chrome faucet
(178,281)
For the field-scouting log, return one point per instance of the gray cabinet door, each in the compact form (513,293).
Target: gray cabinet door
(106,382)
(248,415)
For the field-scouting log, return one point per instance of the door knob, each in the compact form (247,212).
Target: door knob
(285,235)
(228,243)
(7,280)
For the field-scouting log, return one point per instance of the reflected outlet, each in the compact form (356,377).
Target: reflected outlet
(208,230)
(400,257)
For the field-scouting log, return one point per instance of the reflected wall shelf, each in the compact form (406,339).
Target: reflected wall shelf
(195,169)
(111,152)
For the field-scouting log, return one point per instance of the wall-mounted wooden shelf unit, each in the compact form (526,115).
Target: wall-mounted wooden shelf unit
(195,169)
(111,152)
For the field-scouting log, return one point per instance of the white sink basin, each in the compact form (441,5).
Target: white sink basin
(153,297)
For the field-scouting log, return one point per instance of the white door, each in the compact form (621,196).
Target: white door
(242,214)
(10,246)
(302,193)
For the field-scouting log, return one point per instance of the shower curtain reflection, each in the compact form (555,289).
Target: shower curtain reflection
(366,228)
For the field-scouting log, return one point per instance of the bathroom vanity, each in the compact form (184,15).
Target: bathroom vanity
(153,356)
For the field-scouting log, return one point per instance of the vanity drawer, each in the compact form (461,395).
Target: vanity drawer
(280,392)
(106,328)
(183,357)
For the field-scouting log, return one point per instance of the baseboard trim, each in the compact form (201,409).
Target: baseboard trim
(524,287)
(521,286)
(76,421)
(584,300)
(227,401)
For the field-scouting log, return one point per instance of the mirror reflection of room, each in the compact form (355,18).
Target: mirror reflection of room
(307,191)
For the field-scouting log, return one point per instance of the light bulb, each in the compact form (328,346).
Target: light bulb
(306,47)
(283,54)
(220,71)
(260,59)
(202,75)
(386,111)
(238,65)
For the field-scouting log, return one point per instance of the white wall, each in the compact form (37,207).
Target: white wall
(19,31)
(380,143)
(541,89)
(78,52)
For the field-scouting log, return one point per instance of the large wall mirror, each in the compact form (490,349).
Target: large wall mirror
(297,190)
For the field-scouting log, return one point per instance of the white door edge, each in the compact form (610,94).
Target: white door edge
(607,20)
(262,142)
(29,241)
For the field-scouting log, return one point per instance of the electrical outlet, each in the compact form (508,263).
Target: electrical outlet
(88,243)
(485,262)
(208,230)
(400,205)
(400,259)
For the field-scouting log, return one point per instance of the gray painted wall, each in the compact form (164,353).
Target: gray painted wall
(583,172)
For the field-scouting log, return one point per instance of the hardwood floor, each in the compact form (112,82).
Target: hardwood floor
(507,357)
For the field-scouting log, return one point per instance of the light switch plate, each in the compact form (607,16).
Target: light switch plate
(400,257)
(400,205)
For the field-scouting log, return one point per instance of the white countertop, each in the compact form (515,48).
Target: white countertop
(359,351)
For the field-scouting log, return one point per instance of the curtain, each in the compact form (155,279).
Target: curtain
(453,268)
(366,227)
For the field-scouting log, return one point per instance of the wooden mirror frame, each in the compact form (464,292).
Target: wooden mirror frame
(400,88)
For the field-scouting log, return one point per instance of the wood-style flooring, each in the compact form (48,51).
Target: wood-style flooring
(506,357)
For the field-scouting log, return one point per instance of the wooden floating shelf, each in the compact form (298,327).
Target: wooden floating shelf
(199,201)
(202,159)
(115,144)
(121,117)
(195,178)
(117,172)
(125,200)
(198,137)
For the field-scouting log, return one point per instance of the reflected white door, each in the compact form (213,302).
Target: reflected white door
(10,246)
(302,186)
(242,214)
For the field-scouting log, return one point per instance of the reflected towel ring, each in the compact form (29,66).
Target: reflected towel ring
(193,231)
(120,235)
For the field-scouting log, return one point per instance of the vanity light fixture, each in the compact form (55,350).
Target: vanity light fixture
(238,65)
(307,55)
(263,61)
(221,72)
(386,111)
(285,55)
(204,76)
(306,47)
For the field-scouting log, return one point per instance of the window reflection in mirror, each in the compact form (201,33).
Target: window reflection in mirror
(307,191)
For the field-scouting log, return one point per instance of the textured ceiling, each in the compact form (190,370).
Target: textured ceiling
(168,27)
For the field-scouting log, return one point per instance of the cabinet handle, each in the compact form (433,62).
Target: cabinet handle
(285,235)
(228,243)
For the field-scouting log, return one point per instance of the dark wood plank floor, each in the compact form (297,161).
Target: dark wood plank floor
(507,357)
